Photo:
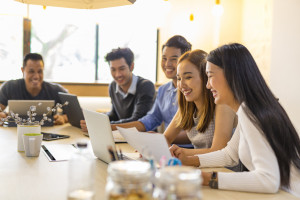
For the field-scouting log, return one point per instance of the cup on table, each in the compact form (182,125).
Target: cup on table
(23,129)
(32,144)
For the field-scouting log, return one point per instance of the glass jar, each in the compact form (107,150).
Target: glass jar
(129,180)
(81,174)
(178,182)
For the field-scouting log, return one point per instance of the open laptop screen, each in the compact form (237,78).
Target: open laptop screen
(21,107)
(73,109)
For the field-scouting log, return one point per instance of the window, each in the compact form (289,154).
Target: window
(142,41)
(11,46)
(68,44)
(72,46)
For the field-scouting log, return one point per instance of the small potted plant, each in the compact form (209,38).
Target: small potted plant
(30,124)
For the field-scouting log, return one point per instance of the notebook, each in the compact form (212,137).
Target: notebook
(73,109)
(101,135)
(58,152)
(22,106)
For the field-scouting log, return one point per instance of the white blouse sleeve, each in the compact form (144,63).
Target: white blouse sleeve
(257,155)
(225,157)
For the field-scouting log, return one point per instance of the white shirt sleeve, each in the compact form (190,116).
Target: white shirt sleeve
(255,153)
(225,157)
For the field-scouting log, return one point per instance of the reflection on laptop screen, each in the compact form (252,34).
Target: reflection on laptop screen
(22,106)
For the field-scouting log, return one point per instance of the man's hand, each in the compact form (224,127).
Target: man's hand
(153,132)
(83,126)
(2,115)
(59,119)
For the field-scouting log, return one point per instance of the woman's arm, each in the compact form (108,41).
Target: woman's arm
(172,131)
(255,153)
(225,121)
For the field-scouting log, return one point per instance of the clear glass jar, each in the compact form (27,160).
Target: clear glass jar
(178,182)
(129,180)
(81,174)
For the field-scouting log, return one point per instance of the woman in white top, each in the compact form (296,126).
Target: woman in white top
(265,140)
(208,127)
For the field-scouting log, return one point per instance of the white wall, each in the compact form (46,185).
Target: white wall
(200,32)
(285,57)
(257,32)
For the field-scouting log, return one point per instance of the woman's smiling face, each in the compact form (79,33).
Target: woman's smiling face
(189,81)
(218,85)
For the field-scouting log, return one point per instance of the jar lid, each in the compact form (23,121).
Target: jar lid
(81,145)
(129,171)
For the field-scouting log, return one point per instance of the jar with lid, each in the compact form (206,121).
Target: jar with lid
(178,182)
(129,180)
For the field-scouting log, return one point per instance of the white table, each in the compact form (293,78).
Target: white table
(35,178)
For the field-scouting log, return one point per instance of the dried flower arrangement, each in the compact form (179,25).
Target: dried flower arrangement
(31,113)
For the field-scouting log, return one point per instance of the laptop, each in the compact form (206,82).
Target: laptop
(73,109)
(23,106)
(101,136)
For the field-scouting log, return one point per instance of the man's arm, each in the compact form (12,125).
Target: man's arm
(2,113)
(137,124)
(112,114)
(3,100)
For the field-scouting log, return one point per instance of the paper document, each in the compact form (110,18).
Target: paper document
(118,137)
(147,144)
(58,152)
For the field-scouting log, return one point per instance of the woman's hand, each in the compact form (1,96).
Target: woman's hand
(181,154)
(206,177)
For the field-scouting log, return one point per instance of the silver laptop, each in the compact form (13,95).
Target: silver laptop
(22,106)
(101,136)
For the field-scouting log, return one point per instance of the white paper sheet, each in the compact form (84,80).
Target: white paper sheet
(58,152)
(147,144)
(118,138)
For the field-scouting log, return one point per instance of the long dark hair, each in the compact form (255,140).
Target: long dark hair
(263,109)
(186,109)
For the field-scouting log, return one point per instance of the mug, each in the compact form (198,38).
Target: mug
(32,144)
(22,129)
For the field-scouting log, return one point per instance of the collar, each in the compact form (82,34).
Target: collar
(171,87)
(132,88)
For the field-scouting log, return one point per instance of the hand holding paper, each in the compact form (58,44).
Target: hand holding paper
(147,143)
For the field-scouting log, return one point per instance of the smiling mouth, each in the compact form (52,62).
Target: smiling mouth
(35,81)
(119,79)
(186,92)
(214,94)
(169,70)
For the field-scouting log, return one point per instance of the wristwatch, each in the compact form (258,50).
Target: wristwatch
(213,182)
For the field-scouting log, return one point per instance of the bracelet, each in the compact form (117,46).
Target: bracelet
(213,182)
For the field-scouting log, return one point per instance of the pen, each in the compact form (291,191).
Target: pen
(121,155)
(162,161)
(111,153)
(48,153)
